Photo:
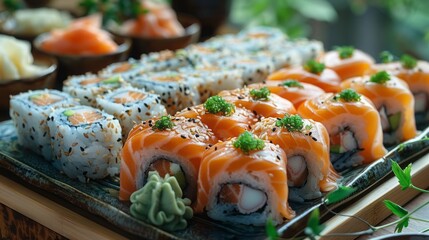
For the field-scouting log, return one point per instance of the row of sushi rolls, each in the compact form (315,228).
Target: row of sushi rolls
(236,126)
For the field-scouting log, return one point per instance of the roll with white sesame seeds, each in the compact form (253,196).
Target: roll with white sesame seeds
(131,106)
(86,142)
(29,112)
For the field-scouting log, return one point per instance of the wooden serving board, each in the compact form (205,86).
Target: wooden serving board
(371,207)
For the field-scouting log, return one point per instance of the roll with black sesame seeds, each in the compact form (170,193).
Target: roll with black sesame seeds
(30,111)
(86,142)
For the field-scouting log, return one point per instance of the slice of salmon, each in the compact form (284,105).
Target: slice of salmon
(130,96)
(224,127)
(273,106)
(395,98)
(262,169)
(296,94)
(82,116)
(360,119)
(357,65)
(183,144)
(327,80)
(45,99)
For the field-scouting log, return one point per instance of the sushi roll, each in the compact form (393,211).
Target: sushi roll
(29,112)
(292,90)
(353,124)
(269,35)
(308,49)
(167,145)
(260,101)
(348,62)
(222,117)
(177,90)
(416,74)
(166,60)
(131,106)
(306,144)
(204,53)
(244,180)
(394,101)
(213,79)
(86,142)
(127,70)
(281,57)
(255,69)
(89,86)
(312,72)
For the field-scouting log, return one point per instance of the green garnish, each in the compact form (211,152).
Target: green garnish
(260,94)
(293,123)
(112,80)
(314,67)
(163,123)
(386,57)
(348,95)
(291,83)
(68,113)
(380,77)
(345,51)
(217,104)
(394,120)
(247,142)
(408,62)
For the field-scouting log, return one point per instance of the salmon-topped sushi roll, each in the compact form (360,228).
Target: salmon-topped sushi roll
(353,124)
(306,144)
(260,101)
(348,62)
(416,74)
(222,117)
(312,72)
(394,101)
(173,146)
(244,180)
(292,90)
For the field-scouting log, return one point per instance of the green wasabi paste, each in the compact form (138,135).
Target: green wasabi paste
(160,203)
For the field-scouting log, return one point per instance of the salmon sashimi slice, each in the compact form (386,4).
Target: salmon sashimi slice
(354,128)
(258,181)
(183,145)
(358,64)
(292,90)
(309,168)
(129,96)
(84,37)
(327,80)
(270,106)
(224,127)
(394,101)
(84,116)
(45,99)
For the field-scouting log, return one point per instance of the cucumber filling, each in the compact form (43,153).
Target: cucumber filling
(343,147)
(389,122)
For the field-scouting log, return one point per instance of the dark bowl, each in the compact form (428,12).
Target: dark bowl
(44,80)
(81,64)
(140,45)
(403,236)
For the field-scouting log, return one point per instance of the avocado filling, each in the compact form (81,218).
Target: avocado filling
(343,146)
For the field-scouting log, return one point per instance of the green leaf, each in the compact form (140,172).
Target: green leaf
(403,175)
(313,225)
(321,10)
(271,230)
(340,194)
(399,212)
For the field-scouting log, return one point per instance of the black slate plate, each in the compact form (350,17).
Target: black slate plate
(100,198)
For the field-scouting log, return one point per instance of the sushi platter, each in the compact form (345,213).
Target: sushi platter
(214,140)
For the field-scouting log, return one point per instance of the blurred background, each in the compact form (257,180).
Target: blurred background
(400,26)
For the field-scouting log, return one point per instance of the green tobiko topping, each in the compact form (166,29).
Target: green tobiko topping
(345,51)
(380,77)
(291,83)
(348,95)
(163,123)
(314,66)
(293,123)
(408,62)
(160,202)
(247,142)
(386,57)
(260,94)
(217,104)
